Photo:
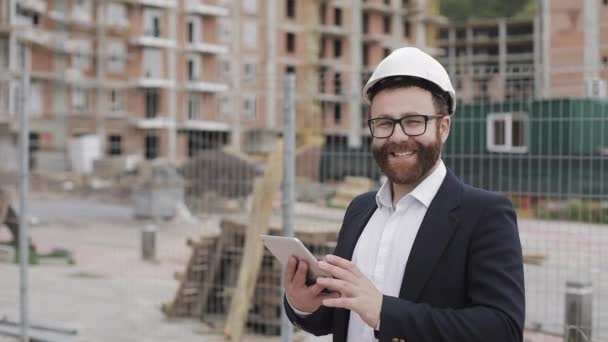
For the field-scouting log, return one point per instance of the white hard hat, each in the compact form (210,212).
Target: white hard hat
(411,61)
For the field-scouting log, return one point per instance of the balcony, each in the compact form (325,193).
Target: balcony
(117,24)
(59,16)
(520,57)
(74,18)
(520,38)
(377,7)
(206,87)
(207,126)
(376,38)
(483,39)
(148,39)
(433,19)
(207,48)
(333,30)
(196,7)
(326,97)
(158,122)
(39,37)
(153,3)
(38,6)
(152,82)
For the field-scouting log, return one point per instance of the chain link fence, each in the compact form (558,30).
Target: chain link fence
(548,155)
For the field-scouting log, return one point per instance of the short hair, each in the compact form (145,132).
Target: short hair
(441,99)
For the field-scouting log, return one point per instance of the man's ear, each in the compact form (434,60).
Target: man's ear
(444,128)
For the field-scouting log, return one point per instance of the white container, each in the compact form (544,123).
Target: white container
(83,151)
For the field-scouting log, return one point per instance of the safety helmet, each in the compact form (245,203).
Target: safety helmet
(411,61)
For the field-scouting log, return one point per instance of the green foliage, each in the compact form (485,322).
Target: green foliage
(461,10)
(575,210)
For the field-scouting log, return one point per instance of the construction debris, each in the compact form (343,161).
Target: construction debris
(159,192)
(7,254)
(349,189)
(220,172)
(207,285)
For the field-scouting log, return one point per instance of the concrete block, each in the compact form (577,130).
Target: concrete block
(7,254)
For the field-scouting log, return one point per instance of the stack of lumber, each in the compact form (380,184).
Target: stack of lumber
(349,189)
(207,285)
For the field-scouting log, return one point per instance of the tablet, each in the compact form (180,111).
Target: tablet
(284,247)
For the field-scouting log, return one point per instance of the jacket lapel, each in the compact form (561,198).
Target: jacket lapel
(351,232)
(436,230)
(357,224)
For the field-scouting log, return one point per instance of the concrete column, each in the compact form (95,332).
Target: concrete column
(591,29)
(545,12)
(452,63)
(502,48)
(236,74)
(271,65)
(538,59)
(12,57)
(579,312)
(354,134)
(420,26)
(173,90)
(397,23)
(101,75)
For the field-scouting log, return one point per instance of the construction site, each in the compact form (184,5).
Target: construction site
(164,136)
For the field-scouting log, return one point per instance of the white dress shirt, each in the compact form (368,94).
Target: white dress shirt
(385,244)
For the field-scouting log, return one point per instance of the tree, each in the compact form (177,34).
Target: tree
(461,10)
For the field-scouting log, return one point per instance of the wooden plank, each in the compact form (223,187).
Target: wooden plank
(205,287)
(265,190)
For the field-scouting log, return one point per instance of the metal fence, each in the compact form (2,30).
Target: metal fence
(548,155)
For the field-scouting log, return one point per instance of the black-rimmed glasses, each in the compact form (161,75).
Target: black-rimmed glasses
(412,125)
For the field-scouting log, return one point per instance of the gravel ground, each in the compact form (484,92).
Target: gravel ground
(111,294)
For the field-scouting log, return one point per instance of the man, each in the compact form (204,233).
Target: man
(426,258)
(8,217)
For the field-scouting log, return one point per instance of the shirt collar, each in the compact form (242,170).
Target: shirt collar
(424,192)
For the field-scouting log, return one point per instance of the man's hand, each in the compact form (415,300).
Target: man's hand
(358,293)
(301,297)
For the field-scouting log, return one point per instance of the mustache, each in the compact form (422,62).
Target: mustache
(392,147)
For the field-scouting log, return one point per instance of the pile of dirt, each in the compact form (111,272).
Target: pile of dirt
(220,172)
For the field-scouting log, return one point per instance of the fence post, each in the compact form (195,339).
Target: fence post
(289,182)
(579,312)
(148,242)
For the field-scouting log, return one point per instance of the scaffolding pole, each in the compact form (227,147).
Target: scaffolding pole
(236,74)
(289,182)
(24,257)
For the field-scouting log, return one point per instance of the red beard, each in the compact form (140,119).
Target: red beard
(423,160)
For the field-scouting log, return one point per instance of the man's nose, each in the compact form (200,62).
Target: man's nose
(398,134)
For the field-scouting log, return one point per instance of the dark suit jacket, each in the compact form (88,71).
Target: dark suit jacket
(464,278)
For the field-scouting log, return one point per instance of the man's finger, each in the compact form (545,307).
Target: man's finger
(331,295)
(342,263)
(300,278)
(316,288)
(336,285)
(342,302)
(336,271)
(290,270)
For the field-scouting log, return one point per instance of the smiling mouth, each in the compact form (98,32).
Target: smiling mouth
(402,154)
